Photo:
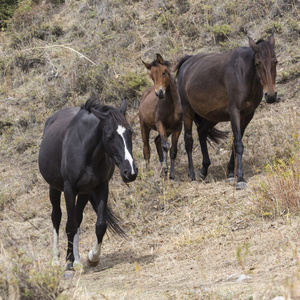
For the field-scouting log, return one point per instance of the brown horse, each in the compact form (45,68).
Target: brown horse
(160,110)
(225,87)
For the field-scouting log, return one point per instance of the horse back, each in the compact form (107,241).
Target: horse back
(209,82)
(147,107)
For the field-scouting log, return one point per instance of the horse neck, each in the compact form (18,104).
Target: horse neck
(93,145)
(256,85)
(173,95)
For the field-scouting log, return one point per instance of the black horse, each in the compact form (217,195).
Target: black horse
(219,87)
(77,156)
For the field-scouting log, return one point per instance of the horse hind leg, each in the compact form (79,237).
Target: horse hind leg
(173,152)
(56,214)
(202,126)
(80,205)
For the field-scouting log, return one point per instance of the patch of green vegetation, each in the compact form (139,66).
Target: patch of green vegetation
(220,32)
(26,280)
(274,27)
(7,9)
(278,194)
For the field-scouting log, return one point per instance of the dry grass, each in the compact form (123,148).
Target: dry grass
(187,240)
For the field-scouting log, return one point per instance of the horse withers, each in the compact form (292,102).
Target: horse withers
(78,154)
(225,87)
(160,110)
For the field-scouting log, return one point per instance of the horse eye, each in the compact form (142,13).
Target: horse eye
(257,66)
(164,74)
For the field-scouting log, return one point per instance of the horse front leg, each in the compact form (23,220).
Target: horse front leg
(159,148)
(71,227)
(173,151)
(145,132)
(237,151)
(100,203)
(55,197)
(164,145)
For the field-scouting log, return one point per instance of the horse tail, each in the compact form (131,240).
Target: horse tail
(180,63)
(113,222)
(112,219)
(216,135)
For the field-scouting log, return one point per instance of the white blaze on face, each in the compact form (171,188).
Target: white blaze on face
(128,156)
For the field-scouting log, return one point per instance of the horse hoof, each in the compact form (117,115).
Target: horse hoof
(77,265)
(240,185)
(201,174)
(92,264)
(68,274)
(69,266)
(164,172)
(192,176)
(55,262)
(230,180)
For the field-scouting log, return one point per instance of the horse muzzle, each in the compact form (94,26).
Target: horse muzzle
(160,94)
(129,173)
(271,98)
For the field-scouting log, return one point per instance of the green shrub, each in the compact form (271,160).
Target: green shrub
(7,9)
(279,192)
(220,32)
(26,279)
(274,27)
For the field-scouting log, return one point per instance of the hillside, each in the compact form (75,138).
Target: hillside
(186,240)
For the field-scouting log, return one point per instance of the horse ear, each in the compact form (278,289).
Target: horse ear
(271,40)
(252,44)
(123,107)
(148,66)
(160,59)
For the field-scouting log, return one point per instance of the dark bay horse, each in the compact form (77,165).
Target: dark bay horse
(160,110)
(78,154)
(225,87)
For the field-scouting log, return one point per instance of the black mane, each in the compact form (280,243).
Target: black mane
(94,103)
(155,63)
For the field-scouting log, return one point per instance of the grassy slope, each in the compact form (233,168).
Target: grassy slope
(187,240)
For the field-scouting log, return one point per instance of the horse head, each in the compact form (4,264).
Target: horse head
(117,139)
(265,64)
(160,74)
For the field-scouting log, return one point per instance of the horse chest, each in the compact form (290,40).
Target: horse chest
(168,114)
(93,176)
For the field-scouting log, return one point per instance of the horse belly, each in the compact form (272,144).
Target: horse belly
(212,106)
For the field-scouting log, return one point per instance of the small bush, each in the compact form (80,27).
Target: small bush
(279,192)
(274,27)
(26,279)
(220,32)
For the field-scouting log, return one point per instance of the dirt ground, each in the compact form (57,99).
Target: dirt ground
(186,240)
